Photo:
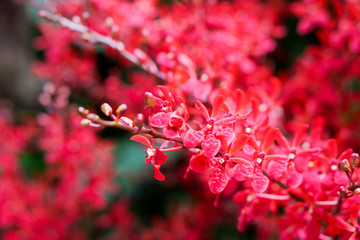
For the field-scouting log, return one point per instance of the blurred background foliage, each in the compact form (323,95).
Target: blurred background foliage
(19,89)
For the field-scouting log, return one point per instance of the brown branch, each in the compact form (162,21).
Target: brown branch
(338,206)
(144,130)
(341,198)
(355,186)
(88,34)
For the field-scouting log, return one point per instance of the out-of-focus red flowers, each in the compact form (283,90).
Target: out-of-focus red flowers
(200,77)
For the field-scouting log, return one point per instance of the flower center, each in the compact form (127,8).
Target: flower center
(150,152)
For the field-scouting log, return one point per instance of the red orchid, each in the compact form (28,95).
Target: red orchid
(276,169)
(154,155)
(203,51)
(169,120)
(259,181)
(218,177)
(209,143)
(335,176)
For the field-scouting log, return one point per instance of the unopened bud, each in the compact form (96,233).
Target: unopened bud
(120,46)
(141,55)
(85,122)
(355,160)
(83,111)
(121,109)
(42,13)
(345,165)
(92,117)
(149,100)
(86,37)
(139,121)
(357,191)
(106,109)
(76,19)
(86,15)
(109,22)
(343,191)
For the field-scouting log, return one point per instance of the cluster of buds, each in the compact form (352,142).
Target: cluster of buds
(93,120)
(349,168)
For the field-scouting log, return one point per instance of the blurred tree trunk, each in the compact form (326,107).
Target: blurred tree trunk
(17,83)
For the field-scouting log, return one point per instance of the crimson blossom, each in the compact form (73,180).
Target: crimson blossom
(232,103)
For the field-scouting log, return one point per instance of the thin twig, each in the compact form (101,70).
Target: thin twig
(128,128)
(338,206)
(88,34)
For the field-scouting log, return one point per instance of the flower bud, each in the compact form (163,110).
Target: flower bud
(139,121)
(42,13)
(92,117)
(120,46)
(85,122)
(141,55)
(83,111)
(343,191)
(355,160)
(121,109)
(114,31)
(357,191)
(149,100)
(86,37)
(345,165)
(106,109)
(109,22)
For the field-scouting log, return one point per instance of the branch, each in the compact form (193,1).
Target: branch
(134,129)
(147,65)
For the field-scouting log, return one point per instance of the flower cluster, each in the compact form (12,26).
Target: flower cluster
(238,146)
(276,145)
(63,171)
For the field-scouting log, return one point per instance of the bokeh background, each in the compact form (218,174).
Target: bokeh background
(62,181)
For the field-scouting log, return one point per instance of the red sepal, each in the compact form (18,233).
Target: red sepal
(300,134)
(255,108)
(141,139)
(345,154)
(226,121)
(238,144)
(242,170)
(269,138)
(294,178)
(277,158)
(167,95)
(282,141)
(217,106)
(210,145)
(202,109)
(157,174)
(193,138)
(160,157)
(159,120)
(218,180)
(275,170)
(259,181)
(239,100)
(200,163)
(332,146)
(251,142)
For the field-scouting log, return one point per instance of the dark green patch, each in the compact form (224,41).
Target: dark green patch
(292,45)
(228,231)
(354,85)
(33,164)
